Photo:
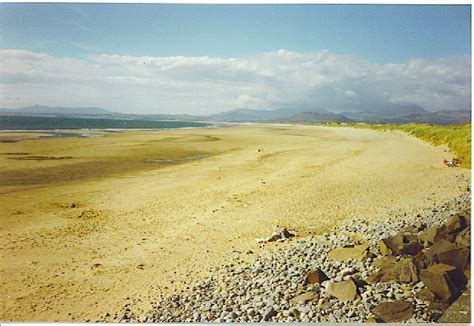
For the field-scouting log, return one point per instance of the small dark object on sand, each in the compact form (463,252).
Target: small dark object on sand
(281,235)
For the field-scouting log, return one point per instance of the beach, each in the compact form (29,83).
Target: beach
(90,222)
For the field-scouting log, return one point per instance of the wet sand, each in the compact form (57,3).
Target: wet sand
(79,235)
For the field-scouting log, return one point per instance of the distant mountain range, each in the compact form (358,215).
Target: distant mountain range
(387,113)
(58,110)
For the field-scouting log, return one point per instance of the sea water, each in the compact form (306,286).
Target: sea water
(54,123)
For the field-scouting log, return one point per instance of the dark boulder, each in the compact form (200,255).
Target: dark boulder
(445,281)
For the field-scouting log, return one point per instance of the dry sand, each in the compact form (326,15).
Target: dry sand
(139,227)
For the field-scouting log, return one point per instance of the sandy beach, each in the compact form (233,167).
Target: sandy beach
(88,222)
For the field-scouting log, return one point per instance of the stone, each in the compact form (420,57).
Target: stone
(445,281)
(346,253)
(400,244)
(315,277)
(305,297)
(439,247)
(343,291)
(463,239)
(409,237)
(389,246)
(412,248)
(403,271)
(425,295)
(467,216)
(394,312)
(295,313)
(431,235)
(420,261)
(460,310)
(448,253)
(384,260)
(269,314)
(413,229)
(408,272)
(458,257)
(437,309)
(456,223)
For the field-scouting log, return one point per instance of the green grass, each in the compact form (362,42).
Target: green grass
(456,137)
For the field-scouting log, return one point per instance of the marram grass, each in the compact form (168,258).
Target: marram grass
(456,137)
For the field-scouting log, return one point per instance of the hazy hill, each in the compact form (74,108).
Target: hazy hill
(58,110)
(319,117)
(380,113)
(254,115)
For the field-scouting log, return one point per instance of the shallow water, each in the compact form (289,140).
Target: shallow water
(48,135)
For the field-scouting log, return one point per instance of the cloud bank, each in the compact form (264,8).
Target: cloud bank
(205,85)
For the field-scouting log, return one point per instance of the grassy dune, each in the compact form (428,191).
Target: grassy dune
(456,137)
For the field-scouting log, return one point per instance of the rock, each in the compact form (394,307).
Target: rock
(269,314)
(389,246)
(322,303)
(445,281)
(295,313)
(394,312)
(346,253)
(437,308)
(464,238)
(403,271)
(408,273)
(456,224)
(348,271)
(420,261)
(458,257)
(467,216)
(411,248)
(305,297)
(425,295)
(409,237)
(315,277)
(400,244)
(460,310)
(384,261)
(413,229)
(432,234)
(448,253)
(343,291)
(439,247)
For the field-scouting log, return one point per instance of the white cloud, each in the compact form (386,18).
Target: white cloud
(350,94)
(207,85)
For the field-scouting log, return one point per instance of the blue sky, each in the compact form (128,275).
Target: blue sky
(378,33)
(165,57)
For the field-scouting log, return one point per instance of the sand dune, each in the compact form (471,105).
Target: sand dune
(75,245)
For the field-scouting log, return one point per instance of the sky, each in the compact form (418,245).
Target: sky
(203,59)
